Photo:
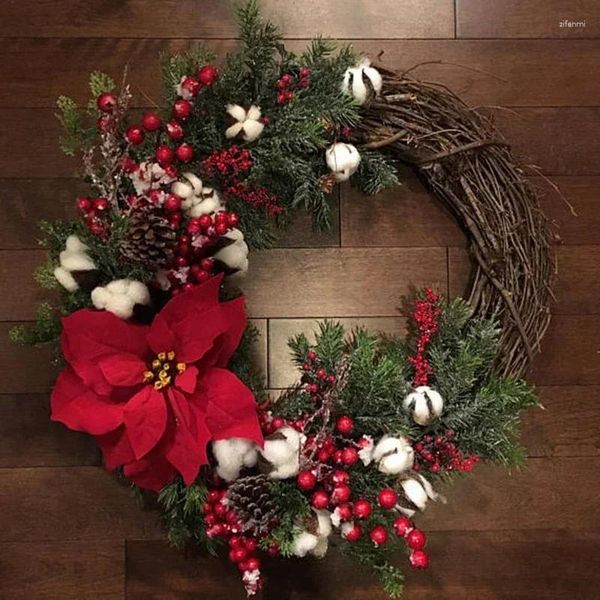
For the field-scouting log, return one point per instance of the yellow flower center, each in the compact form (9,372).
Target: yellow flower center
(162,369)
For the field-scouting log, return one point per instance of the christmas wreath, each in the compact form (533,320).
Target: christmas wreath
(152,332)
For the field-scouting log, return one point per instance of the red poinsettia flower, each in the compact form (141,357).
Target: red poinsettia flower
(154,396)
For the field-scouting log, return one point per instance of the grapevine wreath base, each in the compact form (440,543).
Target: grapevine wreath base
(153,336)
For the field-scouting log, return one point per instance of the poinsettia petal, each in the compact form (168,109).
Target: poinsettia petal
(160,337)
(229,405)
(234,314)
(116,448)
(145,418)
(152,472)
(89,335)
(187,448)
(186,381)
(78,407)
(123,370)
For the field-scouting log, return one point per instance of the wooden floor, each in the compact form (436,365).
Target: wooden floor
(68,530)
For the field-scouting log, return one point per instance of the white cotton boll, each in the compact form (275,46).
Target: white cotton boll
(100,297)
(76,261)
(362,82)
(282,452)
(347,527)
(194,180)
(233,454)
(233,130)
(205,207)
(425,403)
(393,455)
(138,292)
(65,279)
(304,543)
(253,113)
(343,160)
(323,522)
(182,189)
(415,492)
(252,130)
(118,286)
(121,306)
(236,111)
(366,452)
(235,256)
(74,244)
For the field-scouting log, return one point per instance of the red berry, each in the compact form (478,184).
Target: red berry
(338,456)
(321,374)
(175,220)
(311,355)
(251,544)
(233,219)
(83,204)
(135,135)
(281,98)
(345,425)
(207,264)
(182,109)
(202,276)
(286,78)
(100,204)
(191,84)
(208,75)
(185,153)
(204,221)
(164,155)
(214,496)
(221,217)
(238,554)
(174,130)
(354,534)
(388,498)
(362,509)
(341,493)
(252,564)
(419,559)
(320,499)
(273,551)
(349,456)
(403,525)
(323,455)
(345,511)
(306,480)
(278,422)
(416,539)
(210,519)
(221,228)
(340,476)
(151,121)
(303,72)
(106,102)
(220,509)
(104,123)
(379,535)
(172,203)
(235,541)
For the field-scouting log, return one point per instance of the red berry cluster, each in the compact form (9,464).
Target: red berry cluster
(287,82)
(94,213)
(440,453)
(269,424)
(255,196)
(228,163)
(415,540)
(221,522)
(425,315)
(316,379)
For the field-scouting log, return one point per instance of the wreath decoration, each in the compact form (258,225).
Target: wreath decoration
(152,331)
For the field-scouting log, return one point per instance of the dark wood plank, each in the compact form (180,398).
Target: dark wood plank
(488,72)
(405,216)
(583,193)
(563,141)
(29,439)
(339,283)
(547,493)
(65,570)
(527,19)
(215,19)
(560,141)
(569,424)
(27,369)
(16,269)
(282,371)
(464,566)
(70,503)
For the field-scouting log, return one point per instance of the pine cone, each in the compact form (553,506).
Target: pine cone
(149,239)
(250,498)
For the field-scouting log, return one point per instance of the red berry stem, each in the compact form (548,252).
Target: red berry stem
(425,315)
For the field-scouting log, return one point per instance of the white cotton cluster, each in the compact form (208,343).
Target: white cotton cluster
(247,124)
(235,256)
(366,452)
(315,543)
(120,296)
(362,82)
(418,490)
(73,259)
(196,200)
(425,403)
(342,159)
(393,455)
(149,176)
(281,453)
(232,455)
